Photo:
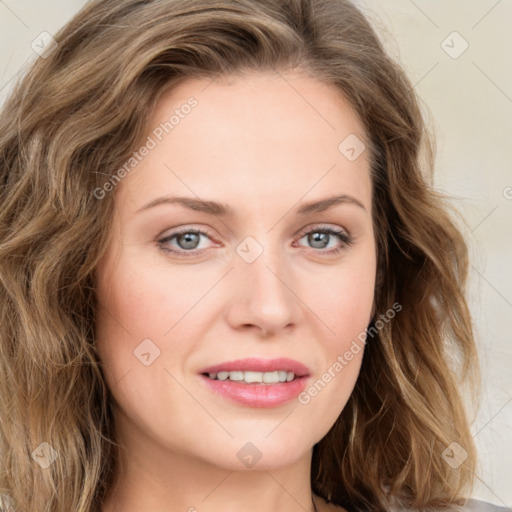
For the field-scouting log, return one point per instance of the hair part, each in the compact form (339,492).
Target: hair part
(77,116)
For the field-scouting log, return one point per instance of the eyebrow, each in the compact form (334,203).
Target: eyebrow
(223,210)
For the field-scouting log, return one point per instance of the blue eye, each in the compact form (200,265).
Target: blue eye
(187,241)
(321,236)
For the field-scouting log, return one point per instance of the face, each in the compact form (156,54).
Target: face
(243,275)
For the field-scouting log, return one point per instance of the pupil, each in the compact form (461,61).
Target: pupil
(318,237)
(191,240)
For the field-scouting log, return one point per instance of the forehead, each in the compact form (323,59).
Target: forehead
(278,105)
(247,134)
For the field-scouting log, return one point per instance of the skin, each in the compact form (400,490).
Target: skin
(263,143)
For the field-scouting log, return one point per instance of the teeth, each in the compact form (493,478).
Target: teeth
(251,377)
(271,377)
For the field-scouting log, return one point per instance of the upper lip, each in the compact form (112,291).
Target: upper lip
(260,365)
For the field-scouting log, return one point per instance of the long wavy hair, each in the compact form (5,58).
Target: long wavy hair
(76,117)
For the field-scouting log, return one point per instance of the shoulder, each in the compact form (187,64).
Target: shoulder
(471,505)
(323,506)
(483,506)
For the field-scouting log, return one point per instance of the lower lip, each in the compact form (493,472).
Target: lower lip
(257,395)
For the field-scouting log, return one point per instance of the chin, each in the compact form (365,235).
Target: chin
(252,453)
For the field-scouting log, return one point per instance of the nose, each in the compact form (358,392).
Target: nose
(264,298)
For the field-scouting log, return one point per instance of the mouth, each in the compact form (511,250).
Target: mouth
(256,370)
(257,382)
(253,377)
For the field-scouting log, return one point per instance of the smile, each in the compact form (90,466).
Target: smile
(250,377)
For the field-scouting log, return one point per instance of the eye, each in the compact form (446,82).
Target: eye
(187,241)
(319,238)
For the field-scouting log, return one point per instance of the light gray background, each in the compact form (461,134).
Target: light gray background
(468,100)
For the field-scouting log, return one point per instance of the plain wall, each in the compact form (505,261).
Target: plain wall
(468,98)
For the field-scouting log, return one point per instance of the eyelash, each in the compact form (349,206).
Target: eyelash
(344,237)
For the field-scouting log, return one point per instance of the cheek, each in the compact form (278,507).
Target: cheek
(139,302)
(124,300)
(344,306)
(346,312)
(343,299)
(146,300)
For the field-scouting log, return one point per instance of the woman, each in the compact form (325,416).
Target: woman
(226,281)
